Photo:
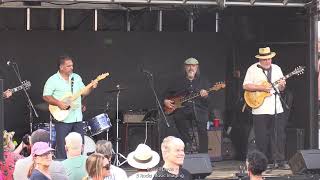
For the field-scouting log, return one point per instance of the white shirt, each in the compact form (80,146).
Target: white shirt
(255,75)
(116,173)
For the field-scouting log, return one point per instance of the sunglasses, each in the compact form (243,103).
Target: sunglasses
(107,166)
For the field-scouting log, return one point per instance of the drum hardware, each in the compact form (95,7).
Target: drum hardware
(50,132)
(117,160)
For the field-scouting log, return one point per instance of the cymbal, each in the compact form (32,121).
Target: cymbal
(42,106)
(115,90)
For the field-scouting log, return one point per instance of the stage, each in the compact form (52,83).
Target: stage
(228,170)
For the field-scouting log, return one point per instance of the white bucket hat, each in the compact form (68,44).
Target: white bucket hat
(143,157)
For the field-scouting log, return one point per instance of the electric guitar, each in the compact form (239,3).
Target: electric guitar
(25,85)
(254,99)
(69,98)
(179,100)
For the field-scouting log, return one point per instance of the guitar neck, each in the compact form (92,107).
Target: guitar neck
(283,78)
(80,93)
(194,95)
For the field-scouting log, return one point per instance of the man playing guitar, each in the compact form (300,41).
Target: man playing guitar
(194,113)
(268,121)
(59,84)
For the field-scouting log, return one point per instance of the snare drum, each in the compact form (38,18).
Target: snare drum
(98,124)
(46,126)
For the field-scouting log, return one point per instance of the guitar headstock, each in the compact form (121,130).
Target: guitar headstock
(298,70)
(218,85)
(102,76)
(26,84)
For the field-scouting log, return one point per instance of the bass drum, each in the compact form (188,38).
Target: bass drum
(89,145)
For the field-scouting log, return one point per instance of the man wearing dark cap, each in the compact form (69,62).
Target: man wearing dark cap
(194,113)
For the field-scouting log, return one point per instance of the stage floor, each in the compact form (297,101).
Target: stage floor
(228,170)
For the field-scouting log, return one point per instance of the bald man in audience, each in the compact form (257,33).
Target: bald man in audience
(75,164)
(172,149)
(56,169)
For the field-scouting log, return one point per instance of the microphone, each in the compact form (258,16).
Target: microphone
(146,71)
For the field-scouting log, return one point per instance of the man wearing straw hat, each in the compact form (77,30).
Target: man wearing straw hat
(268,121)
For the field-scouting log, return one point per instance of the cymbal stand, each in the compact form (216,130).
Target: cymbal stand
(117,158)
(50,132)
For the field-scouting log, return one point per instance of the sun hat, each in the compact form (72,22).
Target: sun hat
(265,53)
(40,148)
(143,157)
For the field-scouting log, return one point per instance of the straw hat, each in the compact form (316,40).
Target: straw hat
(143,157)
(265,53)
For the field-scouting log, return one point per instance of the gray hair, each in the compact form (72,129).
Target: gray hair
(169,140)
(73,141)
(104,147)
(40,135)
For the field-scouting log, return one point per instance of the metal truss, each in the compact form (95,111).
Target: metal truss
(123,4)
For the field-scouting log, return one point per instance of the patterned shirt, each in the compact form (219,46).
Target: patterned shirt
(7,166)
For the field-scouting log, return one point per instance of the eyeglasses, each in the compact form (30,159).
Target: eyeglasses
(107,166)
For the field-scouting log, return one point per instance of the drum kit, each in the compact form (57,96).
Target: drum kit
(92,127)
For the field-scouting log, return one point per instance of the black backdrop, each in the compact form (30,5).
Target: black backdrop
(123,55)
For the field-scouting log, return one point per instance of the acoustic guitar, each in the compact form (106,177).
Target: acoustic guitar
(179,100)
(255,99)
(25,85)
(69,98)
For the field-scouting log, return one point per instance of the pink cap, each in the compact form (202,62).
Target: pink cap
(40,148)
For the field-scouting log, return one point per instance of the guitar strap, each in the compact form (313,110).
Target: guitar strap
(72,81)
(269,72)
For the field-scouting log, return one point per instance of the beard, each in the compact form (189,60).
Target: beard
(191,73)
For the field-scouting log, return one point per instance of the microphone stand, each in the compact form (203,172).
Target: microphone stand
(30,104)
(276,93)
(151,83)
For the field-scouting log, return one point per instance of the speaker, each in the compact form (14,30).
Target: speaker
(305,161)
(295,141)
(199,165)
(135,134)
(215,144)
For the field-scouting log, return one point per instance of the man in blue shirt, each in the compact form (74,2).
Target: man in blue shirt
(56,87)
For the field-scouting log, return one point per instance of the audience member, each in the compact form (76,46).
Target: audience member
(42,158)
(172,149)
(256,164)
(10,155)
(56,169)
(97,166)
(144,160)
(105,147)
(75,164)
